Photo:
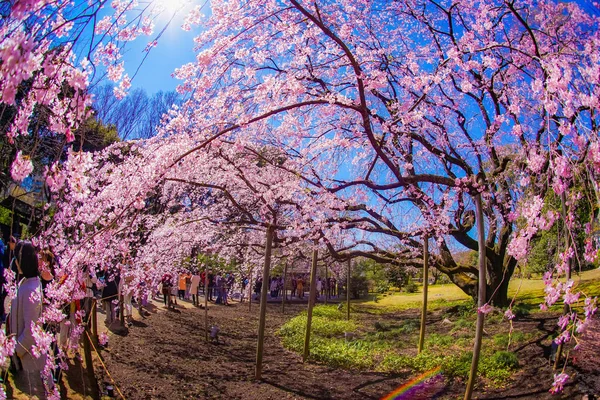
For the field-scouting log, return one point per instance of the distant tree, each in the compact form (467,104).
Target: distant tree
(136,116)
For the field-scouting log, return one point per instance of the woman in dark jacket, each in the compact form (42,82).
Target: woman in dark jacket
(109,294)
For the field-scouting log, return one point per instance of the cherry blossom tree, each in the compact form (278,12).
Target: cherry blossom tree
(504,90)
(376,120)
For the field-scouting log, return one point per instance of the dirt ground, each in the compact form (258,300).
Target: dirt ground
(165,356)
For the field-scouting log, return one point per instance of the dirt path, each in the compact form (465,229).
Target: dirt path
(165,356)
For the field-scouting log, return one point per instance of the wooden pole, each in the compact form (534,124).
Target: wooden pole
(89,365)
(94,322)
(206,303)
(263,302)
(311,303)
(283,298)
(121,310)
(250,293)
(568,274)
(348,289)
(425,289)
(481,297)
(326,283)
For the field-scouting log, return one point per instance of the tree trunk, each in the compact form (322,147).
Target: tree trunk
(497,288)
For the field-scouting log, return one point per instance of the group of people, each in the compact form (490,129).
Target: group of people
(34,272)
(298,284)
(217,287)
(21,258)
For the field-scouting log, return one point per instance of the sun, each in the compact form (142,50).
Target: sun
(170,7)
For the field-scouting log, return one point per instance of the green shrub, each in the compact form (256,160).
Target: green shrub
(410,287)
(505,359)
(338,353)
(394,363)
(463,309)
(328,311)
(501,340)
(521,310)
(463,323)
(499,366)
(381,326)
(457,366)
(409,326)
(436,340)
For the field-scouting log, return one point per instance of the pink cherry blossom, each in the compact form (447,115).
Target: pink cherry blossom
(21,167)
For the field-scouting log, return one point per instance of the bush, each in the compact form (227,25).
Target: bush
(327,322)
(338,353)
(410,287)
(520,310)
(458,366)
(437,340)
(500,366)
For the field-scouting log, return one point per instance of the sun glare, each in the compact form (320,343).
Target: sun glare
(170,7)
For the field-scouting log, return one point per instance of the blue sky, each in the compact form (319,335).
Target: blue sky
(175,48)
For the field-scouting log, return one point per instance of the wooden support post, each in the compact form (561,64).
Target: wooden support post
(94,321)
(283,298)
(559,350)
(311,303)
(425,288)
(122,310)
(250,293)
(348,289)
(206,303)
(481,298)
(326,286)
(263,302)
(89,364)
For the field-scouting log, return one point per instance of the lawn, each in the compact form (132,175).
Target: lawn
(529,291)
(384,334)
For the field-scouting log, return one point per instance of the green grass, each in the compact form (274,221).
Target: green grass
(437,293)
(525,291)
(389,345)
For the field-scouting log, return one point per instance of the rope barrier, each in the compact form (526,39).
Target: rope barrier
(104,366)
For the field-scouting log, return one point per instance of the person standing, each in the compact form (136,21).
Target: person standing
(319,287)
(273,287)
(202,281)
(182,286)
(294,286)
(224,289)
(211,284)
(219,281)
(126,291)
(300,288)
(25,311)
(258,288)
(109,295)
(194,284)
(167,283)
